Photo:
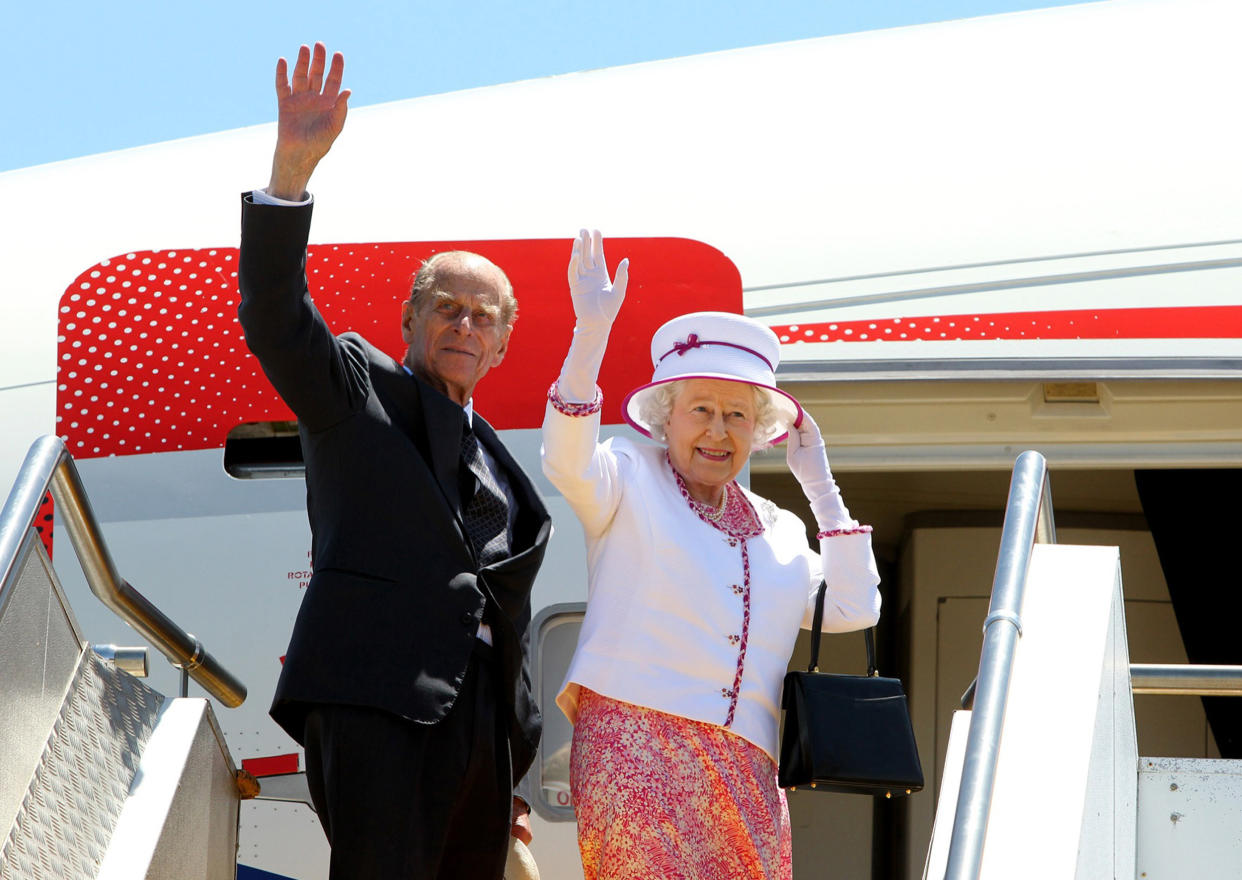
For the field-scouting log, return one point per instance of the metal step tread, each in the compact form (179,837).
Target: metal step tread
(76,794)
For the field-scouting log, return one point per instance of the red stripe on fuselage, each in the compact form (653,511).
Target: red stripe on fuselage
(1174,322)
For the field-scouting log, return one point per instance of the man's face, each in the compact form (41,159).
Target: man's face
(457,334)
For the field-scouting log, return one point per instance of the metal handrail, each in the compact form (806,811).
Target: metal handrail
(1198,680)
(1028,520)
(49,466)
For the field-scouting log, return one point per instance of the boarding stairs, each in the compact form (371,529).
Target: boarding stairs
(101,777)
(1042,777)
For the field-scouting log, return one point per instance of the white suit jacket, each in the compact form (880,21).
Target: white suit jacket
(664,615)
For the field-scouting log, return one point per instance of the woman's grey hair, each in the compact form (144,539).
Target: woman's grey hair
(657,405)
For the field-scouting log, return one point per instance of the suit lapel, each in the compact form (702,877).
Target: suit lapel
(443,420)
(433,423)
(439,436)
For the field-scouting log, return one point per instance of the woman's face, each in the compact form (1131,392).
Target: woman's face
(709,434)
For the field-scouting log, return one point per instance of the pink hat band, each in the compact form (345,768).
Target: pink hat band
(693,341)
(716,345)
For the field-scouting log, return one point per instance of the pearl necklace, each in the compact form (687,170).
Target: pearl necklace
(705,510)
(735,516)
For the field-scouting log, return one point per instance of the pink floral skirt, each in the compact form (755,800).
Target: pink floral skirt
(659,796)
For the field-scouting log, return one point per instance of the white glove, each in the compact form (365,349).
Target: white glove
(808,460)
(596,301)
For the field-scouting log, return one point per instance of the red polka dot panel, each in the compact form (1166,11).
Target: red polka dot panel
(151,358)
(43,522)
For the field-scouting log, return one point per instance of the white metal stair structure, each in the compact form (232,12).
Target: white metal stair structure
(1043,778)
(101,777)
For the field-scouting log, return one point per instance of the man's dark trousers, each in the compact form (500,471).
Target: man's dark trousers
(422,799)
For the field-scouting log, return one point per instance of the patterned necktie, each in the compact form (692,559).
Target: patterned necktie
(486,513)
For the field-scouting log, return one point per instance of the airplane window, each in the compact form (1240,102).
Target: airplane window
(258,450)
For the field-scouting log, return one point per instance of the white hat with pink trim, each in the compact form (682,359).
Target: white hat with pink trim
(716,345)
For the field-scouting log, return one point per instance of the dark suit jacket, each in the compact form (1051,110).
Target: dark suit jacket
(390,615)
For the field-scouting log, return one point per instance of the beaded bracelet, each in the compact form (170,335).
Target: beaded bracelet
(832,533)
(568,408)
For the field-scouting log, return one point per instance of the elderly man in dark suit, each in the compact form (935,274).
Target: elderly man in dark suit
(407,676)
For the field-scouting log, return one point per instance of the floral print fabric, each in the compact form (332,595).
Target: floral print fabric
(660,796)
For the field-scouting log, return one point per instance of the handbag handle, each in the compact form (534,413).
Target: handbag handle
(817,621)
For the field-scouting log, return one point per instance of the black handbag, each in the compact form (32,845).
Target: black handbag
(848,733)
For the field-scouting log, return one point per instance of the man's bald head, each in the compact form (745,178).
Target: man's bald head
(424,283)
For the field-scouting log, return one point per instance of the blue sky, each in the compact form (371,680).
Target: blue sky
(91,77)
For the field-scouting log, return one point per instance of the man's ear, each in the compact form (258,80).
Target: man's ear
(408,318)
(499,354)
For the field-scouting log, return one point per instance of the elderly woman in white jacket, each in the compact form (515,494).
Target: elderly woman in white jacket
(696,590)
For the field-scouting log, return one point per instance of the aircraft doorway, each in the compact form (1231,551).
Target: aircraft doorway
(936,536)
